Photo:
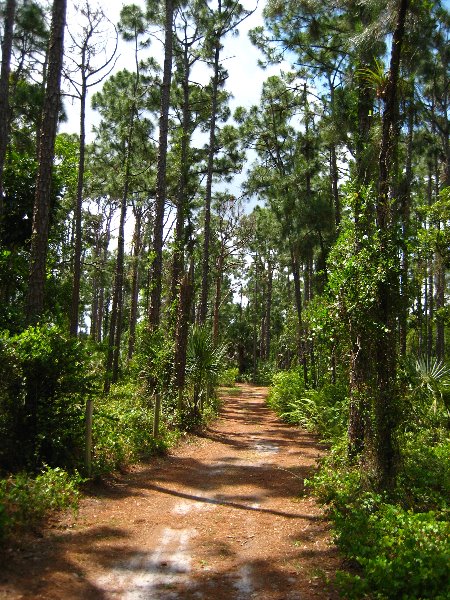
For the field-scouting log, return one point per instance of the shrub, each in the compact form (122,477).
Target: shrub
(203,368)
(152,364)
(399,544)
(287,389)
(403,554)
(424,481)
(426,400)
(228,377)
(24,499)
(265,373)
(324,410)
(123,429)
(47,376)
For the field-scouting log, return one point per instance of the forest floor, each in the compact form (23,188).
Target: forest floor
(222,517)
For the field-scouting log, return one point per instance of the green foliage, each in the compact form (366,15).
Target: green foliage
(204,360)
(153,359)
(324,410)
(264,373)
(19,182)
(426,401)
(228,377)
(329,338)
(360,263)
(13,276)
(287,389)
(122,429)
(434,235)
(400,545)
(203,368)
(47,376)
(424,480)
(24,499)
(402,554)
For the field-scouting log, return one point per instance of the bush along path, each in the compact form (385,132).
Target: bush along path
(222,517)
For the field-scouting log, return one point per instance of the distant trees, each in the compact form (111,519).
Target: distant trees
(373,124)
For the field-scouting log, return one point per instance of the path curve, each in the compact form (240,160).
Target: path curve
(221,518)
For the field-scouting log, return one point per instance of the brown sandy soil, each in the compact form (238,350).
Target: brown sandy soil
(221,518)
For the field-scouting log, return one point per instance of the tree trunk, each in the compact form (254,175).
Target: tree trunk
(440,303)
(178,255)
(182,330)
(208,191)
(160,201)
(218,298)
(39,236)
(334,176)
(299,308)
(137,248)
(115,316)
(361,385)
(255,322)
(8,32)
(95,285)
(405,199)
(75,307)
(386,396)
(439,262)
(361,362)
(101,297)
(269,308)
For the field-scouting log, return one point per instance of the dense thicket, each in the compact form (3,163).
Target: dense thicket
(153,274)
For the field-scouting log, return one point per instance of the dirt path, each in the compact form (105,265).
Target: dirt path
(220,518)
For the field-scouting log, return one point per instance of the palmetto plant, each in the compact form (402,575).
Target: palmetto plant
(432,381)
(204,364)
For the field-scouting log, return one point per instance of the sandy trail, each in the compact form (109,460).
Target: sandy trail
(222,517)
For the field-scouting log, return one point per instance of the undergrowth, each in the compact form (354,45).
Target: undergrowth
(123,429)
(49,378)
(398,544)
(324,411)
(25,499)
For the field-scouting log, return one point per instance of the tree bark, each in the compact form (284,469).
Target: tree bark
(218,298)
(405,202)
(255,321)
(75,306)
(182,330)
(439,262)
(178,255)
(39,236)
(386,397)
(137,248)
(440,303)
(8,33)
(101,329)
(299,308)
(269,308)
(114,323)
(160,201)
(208,190)
(334,176)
